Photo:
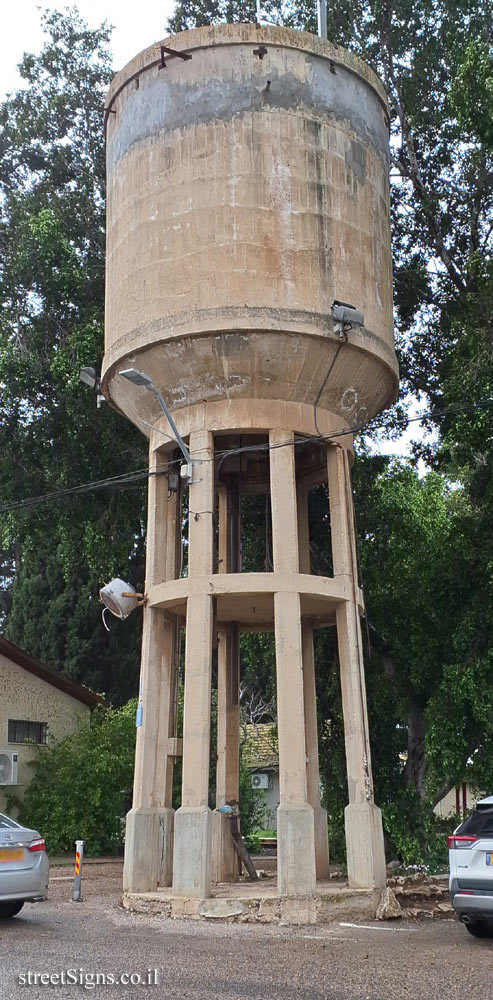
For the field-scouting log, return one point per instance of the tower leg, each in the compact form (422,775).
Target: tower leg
(225,864)
(192,840)
(225,867)
(149,824)
(363,820)
(295,822)
(312,765)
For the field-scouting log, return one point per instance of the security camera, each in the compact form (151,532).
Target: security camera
(346,314)
(88,377)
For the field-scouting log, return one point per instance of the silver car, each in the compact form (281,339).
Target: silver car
(24,867)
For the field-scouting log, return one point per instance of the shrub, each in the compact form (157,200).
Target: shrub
(81,785)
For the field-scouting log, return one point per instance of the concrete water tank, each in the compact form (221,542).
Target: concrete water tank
(248,190)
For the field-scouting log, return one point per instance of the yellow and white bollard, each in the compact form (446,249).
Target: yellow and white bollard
(79,857)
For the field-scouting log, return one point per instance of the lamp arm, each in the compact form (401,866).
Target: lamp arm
(184,450)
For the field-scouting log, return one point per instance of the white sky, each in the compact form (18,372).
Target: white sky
(136,25)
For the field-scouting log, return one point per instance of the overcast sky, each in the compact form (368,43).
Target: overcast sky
(136,25)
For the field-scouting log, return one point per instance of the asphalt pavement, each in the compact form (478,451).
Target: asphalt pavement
(59,948)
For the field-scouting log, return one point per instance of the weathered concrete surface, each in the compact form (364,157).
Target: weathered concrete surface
(364,845)
(148,849)
(261,903)
(192,852)
(295,850)
(238,189)
(225,866)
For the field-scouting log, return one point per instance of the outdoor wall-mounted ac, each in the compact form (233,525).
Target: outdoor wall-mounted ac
(8,767)
(260,781)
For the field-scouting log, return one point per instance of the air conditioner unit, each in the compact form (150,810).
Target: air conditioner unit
(8,767)
(260,780)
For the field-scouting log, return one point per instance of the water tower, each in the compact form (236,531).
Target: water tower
(249,287)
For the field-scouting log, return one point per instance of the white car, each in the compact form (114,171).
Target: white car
(471,870)
(24,867)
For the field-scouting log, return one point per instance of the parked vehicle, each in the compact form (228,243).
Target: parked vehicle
(24,867)
(471,870)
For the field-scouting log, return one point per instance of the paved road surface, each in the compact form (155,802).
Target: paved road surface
(205,961)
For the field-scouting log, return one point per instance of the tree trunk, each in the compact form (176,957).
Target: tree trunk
(416,764)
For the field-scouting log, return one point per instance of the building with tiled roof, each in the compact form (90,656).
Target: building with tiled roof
(260,754)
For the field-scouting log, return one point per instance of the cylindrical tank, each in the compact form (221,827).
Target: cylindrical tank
(248,190)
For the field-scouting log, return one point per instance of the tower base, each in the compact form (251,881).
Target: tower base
(295,850)
(148,849)
(225,864)
(365,846)
(192,852)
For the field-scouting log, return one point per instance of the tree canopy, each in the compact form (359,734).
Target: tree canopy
(52,191)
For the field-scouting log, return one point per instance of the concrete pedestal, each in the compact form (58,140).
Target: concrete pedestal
(192,852)
(148,849)
(165,846)
(295,850)
(225,864)
(321,843)
(365,846)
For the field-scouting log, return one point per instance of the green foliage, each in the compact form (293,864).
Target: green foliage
(414,834)
(80,786)
(52,189)
(199,13)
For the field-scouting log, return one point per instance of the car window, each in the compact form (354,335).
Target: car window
(6,823)
(478,824)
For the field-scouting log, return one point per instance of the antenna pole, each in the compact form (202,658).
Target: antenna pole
(322,18)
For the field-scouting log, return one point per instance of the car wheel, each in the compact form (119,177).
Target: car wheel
(480,929)
(8,910)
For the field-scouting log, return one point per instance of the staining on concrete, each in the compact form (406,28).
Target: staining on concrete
(163,103)
(355,159)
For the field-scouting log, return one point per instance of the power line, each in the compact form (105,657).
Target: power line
(124,479)
(129,479)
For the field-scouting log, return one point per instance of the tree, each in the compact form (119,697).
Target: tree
(52,189)
(199,13)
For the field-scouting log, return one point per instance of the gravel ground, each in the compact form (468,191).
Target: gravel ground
(195,960)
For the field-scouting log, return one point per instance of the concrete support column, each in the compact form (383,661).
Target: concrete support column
(295,823)
(312,765)
(225,865)
(149,824)
(192,841)
(363,820)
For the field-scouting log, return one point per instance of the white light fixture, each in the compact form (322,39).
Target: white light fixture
(119,598)
(141,379)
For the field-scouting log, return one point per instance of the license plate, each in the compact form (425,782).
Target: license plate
(11,855)
(489,859)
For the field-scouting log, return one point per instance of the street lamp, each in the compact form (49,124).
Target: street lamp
(140,378)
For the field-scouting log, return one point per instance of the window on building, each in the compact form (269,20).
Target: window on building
(24,731)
